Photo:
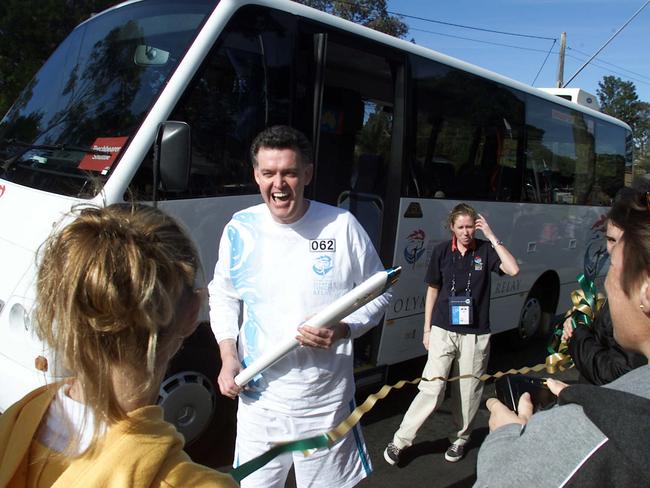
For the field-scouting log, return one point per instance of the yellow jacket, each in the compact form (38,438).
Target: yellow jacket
(141,451)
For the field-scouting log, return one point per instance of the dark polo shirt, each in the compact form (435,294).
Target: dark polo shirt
(477,265)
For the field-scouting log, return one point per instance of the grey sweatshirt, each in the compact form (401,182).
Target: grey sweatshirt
(598,436)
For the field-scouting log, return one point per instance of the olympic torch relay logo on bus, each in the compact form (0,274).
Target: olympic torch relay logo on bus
(414,246)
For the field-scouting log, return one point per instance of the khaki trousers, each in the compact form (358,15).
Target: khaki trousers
(458,354)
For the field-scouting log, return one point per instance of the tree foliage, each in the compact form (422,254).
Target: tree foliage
(619,99)
(30,30)
(370,13)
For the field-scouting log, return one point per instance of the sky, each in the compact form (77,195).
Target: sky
(588,24)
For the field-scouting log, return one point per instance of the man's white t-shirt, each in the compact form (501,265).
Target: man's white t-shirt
(284,274)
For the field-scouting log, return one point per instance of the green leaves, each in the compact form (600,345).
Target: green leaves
(369,13)
(619,99)
(30,31)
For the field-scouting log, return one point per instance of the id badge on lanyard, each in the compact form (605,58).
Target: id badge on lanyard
(461,310)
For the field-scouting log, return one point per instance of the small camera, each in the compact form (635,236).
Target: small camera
(510,388)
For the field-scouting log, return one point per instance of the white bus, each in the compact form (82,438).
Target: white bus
(158,101)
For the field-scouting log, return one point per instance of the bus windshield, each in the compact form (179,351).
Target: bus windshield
(66,130)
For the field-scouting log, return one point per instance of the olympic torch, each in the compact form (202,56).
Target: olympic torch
(330,315)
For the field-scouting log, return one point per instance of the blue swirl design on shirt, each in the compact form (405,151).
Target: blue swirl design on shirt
(322,265)
(242,235)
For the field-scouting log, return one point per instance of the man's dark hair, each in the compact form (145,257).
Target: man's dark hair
(282,137)
(631,214)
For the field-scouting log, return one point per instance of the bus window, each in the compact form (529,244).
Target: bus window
(560,160)
(610,163)
(467,135)
(95,90)
(355,136)
(240,89)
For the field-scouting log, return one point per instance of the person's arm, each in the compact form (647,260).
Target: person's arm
(500,415)
(429,303)
(508,262)
(225,306)
(522,450)
(322,338)
(365,263)
(230,367)
(599,363)
(595,352)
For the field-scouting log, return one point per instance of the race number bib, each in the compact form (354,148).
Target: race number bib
(322,245)
(460,310)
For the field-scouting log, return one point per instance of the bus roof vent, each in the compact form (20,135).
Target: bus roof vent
(575,95)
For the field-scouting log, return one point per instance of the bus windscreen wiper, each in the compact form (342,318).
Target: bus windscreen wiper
(54,147)
(8,163)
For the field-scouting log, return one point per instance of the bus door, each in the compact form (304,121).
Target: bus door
(353,133)
(357,138)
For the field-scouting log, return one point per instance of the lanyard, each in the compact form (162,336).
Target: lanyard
(468,287)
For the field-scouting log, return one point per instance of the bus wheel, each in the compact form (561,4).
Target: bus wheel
(192,402)
(530,320)
(188,399)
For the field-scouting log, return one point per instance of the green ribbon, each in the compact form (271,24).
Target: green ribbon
(329,438)
(240,472)
(586,304)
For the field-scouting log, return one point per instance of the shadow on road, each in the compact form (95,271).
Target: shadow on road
(502,358)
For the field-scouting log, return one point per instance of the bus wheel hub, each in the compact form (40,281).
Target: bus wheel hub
(188,399)
(531,316)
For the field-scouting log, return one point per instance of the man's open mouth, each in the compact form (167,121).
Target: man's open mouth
(281,196)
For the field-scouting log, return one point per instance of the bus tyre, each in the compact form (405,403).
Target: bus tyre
(531,320)
(188,400)
(192,402)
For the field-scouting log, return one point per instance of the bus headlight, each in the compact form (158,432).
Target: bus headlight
(19,318)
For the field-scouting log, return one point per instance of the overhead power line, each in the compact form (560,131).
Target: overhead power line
(609,64)
(425,19)
(607,69)
(535,50)
(608,41)
(477,40)
(543,63)
(639,77)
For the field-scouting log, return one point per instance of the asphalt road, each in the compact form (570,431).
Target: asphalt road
(423,465)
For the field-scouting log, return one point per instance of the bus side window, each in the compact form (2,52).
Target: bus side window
(240,88)
(363,200)
(341,118)
(466,137)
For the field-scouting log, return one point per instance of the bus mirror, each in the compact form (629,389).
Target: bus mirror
(173,157)
(150,56)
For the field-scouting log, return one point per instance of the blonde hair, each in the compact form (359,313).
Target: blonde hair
(111,286)
(458,210)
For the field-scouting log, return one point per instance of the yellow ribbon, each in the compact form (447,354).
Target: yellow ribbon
(326,440)
(354,418)
(586,303)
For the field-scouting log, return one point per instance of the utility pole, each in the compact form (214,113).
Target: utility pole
(560,65)
(608,41)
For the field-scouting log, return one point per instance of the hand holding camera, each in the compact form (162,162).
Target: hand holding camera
(519,396)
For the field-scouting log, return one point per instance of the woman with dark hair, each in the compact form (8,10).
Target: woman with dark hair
(598,435)
(593,349)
